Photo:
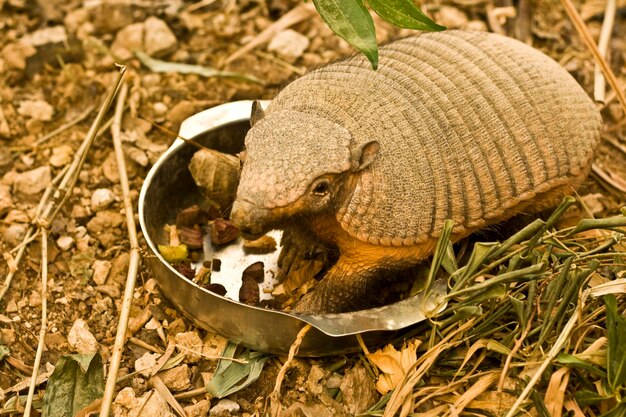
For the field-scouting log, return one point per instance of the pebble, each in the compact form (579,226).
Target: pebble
(101,271)
(159,108)
(6,160)
(33,181)
(144,364)
(61,156)
(192,343)
(65,242)
(199,409)
(451,17)
(119,268)
(11,307)
(104,221)
(36,109)
(127,40)
(224,408)
(176,379)
(15,54)
(158,39)
(6,201)
(17,216)
(15,234)
(101,199)
(80,338)
(289,45)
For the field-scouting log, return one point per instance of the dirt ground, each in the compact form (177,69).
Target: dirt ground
(57,61)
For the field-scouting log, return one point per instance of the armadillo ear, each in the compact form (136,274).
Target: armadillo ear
(366,154)
(257,113)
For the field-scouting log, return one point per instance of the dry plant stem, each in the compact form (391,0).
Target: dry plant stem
(44,320)
(586,36)
(509,358)
(293,351)
(65,126)
(599,84)
(133,267)
(554,351)
(69,181)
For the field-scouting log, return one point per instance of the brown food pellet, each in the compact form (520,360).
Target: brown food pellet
(216,265)
(191,216)
(207,264)
(249,292)
(193,237)
(186,270)
(223,231)
(254,271)
(216,288)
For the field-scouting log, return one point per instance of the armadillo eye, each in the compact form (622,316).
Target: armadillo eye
(322,187)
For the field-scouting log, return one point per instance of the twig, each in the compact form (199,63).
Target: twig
(211,357)
(599,84)
(44,320)
(65,126)
(195,6)
(133,267)
(293,351)
(581,28)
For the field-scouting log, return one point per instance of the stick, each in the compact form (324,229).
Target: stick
(133,267)
(599,84)
(586,36)
(44,320)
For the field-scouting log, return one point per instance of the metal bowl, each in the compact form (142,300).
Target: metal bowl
(169,187)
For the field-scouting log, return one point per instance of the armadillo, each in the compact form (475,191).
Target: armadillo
(468,126)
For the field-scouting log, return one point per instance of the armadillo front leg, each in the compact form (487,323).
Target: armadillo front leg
(350,286)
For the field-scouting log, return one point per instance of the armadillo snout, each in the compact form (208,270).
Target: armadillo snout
(249,218)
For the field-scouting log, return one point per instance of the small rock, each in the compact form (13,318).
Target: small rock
(8,337)
(224,408)
(126,398)
(61,156)
(451,17)
(16,54)
(119,268)
(144,364)
(160,108)
(313,381)
(199,409)
(181,110)
(101,199)
(55,340)
(158,39)
(477,26)
(100,271)
(289,45)
(36,109)
(34,300)
(6,159)
(11,307)
(128,40)
(80,338)
(33,181)
(110,171)
(111,290)
(17,216)
(593,203)
(137,155)
(14,235)
(190,342)
(79,213)
(65,242)
(176,379)
(214,344)
(6,201)
(104,221)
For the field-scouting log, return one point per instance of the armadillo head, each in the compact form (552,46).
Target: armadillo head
(295,164)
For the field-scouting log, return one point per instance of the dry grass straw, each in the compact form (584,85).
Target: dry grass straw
(525,326)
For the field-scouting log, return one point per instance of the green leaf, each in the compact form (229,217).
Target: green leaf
(573,361)
(231,376)
(351,20)
(404,13)
(616,354)
(586,397)
(4,351)
(76,382)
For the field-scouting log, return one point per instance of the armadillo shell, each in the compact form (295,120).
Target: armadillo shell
(470,126)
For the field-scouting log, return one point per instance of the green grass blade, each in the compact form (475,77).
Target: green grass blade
(616,355)
(404,13)
(351,20)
